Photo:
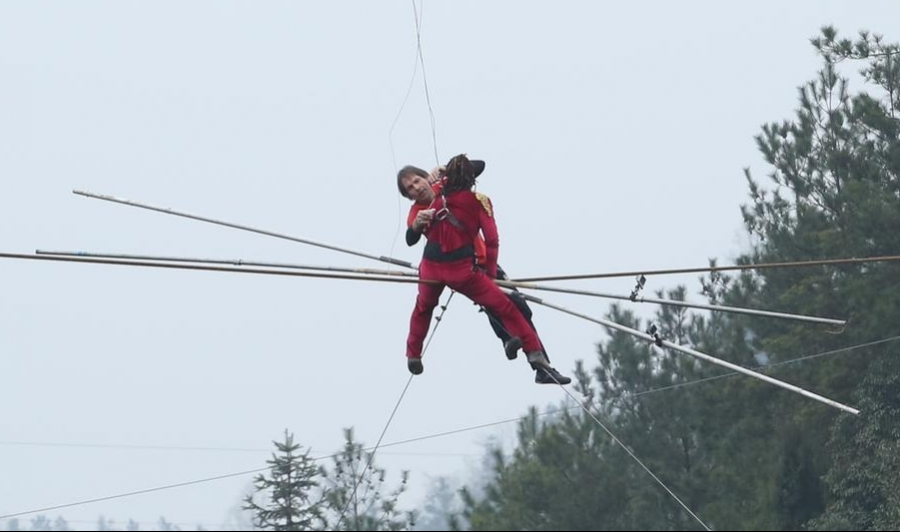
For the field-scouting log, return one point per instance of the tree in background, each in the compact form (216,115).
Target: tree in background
(740,453)
(287,493)
(441,502)
(299,495)
(104,524)
(839,161)
(356,494)
(41,522)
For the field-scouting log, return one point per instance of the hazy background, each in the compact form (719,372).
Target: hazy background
(615,136)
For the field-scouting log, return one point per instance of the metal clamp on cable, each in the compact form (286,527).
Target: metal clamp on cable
(639,287)
(654,332)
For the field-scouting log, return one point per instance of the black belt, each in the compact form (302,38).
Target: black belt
(433,252)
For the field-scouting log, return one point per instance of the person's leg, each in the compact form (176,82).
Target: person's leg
(497,326)
(511,344)
(420,321)
(521,305)
(543,374)
(474,284)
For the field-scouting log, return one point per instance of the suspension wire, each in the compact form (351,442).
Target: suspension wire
(412,80)
(763,266)
(138,492)
(635,458)
(409,88)
(371,457)
(461,430)
(437,158)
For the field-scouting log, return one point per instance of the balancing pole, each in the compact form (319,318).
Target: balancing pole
(233,262)
(670,302)
(654,338)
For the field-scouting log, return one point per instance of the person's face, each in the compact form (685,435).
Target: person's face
(417,188)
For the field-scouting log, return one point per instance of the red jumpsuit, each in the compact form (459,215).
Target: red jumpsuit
(449,260)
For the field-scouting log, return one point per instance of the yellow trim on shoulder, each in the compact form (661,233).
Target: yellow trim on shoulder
(486,203)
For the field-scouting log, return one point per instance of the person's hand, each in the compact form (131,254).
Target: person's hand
(423,220)
(415,366)
(435,175)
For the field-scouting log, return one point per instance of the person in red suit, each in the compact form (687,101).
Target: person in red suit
(453,219)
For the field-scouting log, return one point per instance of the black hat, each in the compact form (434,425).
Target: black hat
(475,165)
(461,173)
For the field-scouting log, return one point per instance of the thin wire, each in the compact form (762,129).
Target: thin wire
(132,493)
(391,418)
(451,432)
(153,524)
(437,158)
(412,80)
(131,447)
(634,457)
(127,447)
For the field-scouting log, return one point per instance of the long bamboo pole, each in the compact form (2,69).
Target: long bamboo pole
(708,269)
(233,262)
(282,236)
(700,355)
(628,330)
(674,303)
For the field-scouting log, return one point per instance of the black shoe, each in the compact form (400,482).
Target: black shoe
(512,347)
(549,375)
(415,366)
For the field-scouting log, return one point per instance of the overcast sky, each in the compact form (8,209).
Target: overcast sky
(615,136)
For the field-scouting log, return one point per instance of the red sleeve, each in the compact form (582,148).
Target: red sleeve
(491,236)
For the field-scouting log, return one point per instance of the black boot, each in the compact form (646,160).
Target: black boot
(415,366)
(548,375)
(512,347)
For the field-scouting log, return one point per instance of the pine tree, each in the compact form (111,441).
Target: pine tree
(742,455)
(288,492)
(41,522)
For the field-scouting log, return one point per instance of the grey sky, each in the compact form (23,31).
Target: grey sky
(615,135)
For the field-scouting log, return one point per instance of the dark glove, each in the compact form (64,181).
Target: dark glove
(415,366)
